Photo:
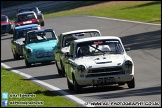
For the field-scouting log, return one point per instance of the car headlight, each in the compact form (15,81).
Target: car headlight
(38,28)
(128,66)
(28,50)
(81,69)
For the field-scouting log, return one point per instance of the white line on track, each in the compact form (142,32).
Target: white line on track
(77,100)
(124,20)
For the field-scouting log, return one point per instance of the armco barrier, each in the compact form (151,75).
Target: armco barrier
(42,5)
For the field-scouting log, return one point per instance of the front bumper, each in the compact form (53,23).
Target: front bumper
(97,80)
(40,60)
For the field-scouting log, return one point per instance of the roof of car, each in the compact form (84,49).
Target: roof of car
(28,8)
(25,12)
(3,15)
(96,38)
(26,26)
(77,31)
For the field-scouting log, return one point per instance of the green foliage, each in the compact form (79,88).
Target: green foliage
(15,84)
(145,11)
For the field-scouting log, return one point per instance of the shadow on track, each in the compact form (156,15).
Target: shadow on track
(129,93)
(148,40)
(53,76)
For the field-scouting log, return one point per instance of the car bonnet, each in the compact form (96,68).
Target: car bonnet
(47,45)
(101,61)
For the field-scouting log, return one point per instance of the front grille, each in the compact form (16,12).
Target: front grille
(44,54)
(105,71)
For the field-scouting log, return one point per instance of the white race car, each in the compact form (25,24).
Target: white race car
(64,42)
(98,61)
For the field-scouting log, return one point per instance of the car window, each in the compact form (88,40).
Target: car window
(35,10)
(24,10)
(41,37)
(25,17)
(67,39)
(34,38)
(3,18)
(20,34)
(50,35)
(99,47)
(70,37)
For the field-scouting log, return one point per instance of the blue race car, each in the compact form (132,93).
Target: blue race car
(39,46)
(19,35)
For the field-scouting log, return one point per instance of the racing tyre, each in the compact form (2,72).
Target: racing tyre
(70,86)
(42,23)
(15,55)
(59,71)
(121,83)
(77,87)
(131,84)
(27,63)
(63,70)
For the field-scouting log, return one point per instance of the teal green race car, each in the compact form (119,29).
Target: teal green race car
(39,46)
(19,35)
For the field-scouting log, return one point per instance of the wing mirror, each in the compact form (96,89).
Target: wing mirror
(127,49)
(67,55)
(58,47)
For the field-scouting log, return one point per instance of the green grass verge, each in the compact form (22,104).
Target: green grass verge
(145,11)
(15,84)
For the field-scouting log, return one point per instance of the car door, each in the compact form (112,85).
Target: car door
(58,50)
(69,62)
(13,44)
(25,54)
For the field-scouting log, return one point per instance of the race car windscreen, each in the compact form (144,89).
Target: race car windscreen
(99,47)
(41,37)
(25,17)
(20,34)
(70,37)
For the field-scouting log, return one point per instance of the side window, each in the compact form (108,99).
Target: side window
(59,41)
(72,48)
(26,39)
(14,35)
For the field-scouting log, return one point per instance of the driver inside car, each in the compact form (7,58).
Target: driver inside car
(83,51)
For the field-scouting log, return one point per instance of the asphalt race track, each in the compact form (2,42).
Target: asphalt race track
(143,39)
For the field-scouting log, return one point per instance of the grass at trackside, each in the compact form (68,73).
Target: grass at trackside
(145,11)
(15,84)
